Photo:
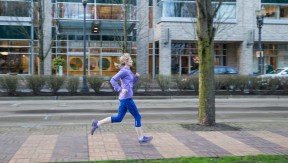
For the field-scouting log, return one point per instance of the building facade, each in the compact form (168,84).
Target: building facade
(236,41)
(161,35)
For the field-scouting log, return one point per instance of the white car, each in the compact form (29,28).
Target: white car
(279,72)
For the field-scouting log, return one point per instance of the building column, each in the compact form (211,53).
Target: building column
(245,52)
(142,57)
(164,58)
(245,58)
(47,37)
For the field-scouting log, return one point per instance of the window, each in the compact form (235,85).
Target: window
(184,55)
(74,10)
(188,9)
(8,8)
(276,9)
(156,61)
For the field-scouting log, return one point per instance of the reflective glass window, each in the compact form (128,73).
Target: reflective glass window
(14,8)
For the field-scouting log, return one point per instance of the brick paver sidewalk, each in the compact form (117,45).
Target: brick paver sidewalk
(119,142)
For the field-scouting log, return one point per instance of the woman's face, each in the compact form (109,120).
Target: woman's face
(129,62)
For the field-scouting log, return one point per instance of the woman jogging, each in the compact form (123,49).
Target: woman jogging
(128,79)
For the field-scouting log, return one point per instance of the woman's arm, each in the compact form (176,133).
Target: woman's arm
(114,80)
(136,77)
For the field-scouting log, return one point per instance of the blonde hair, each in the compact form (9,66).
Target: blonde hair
(123,59)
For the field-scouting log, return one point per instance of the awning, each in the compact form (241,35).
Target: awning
(75,26)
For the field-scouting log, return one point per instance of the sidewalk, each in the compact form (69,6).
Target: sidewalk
(119,142)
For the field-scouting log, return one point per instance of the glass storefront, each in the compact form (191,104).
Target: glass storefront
(275,55)
(14,57)
(100,54)
(185,57)
(102,48)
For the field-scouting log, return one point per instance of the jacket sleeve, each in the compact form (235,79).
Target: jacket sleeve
(114,80)
(135,79)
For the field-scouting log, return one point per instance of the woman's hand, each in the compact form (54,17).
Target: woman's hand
(137,74)
(124,91)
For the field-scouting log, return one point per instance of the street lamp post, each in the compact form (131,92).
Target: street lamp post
(84,88)
(260,17)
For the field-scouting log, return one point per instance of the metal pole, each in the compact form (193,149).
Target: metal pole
(260,51)
(84,88)
(32,40)
(153,61)
(260,18)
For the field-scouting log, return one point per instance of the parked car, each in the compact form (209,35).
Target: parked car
(220,70)
(274,79)
(279,72)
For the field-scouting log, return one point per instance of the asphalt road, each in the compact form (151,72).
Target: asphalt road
(69,112)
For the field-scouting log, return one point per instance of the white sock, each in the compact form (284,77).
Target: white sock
(139,132)
(104,121)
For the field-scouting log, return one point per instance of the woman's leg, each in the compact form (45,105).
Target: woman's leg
(121,113)
(134,111)
(104,121)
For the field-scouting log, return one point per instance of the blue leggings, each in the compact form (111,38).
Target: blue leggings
(127,104)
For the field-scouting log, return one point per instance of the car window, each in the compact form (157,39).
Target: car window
(231,70)
(219,70)
(277,71)
(194,72)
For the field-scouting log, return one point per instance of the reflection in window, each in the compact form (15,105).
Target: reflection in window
(283,11)
(14,8)
(171,8)
(276,11)
(14,63)
(75,10)
(271,11)
(114,12)
(227,11)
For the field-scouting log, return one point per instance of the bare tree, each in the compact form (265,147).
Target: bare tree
(128,14)
(206,33)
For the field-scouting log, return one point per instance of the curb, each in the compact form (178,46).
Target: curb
(135,97)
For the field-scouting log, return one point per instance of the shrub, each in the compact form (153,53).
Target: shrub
(137,85)
(254,83)
(95,82)
(273,83)
(9,83)
(219,82)
(241,82)
(146,82)
(284,83)
(163,82)
(182,82)
(229,82)
(194,82)
(73,84)
(35,83)
(55,82)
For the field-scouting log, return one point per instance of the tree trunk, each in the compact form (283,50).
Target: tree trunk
(205,32)
(40,37)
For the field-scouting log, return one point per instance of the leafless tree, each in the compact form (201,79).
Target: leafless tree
(206,34)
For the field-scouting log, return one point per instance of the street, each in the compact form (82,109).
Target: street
(59,112)
(59,130)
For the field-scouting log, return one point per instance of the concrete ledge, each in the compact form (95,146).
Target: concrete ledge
(135,97)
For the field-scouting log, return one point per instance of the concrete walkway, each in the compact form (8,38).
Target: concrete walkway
(119,142)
